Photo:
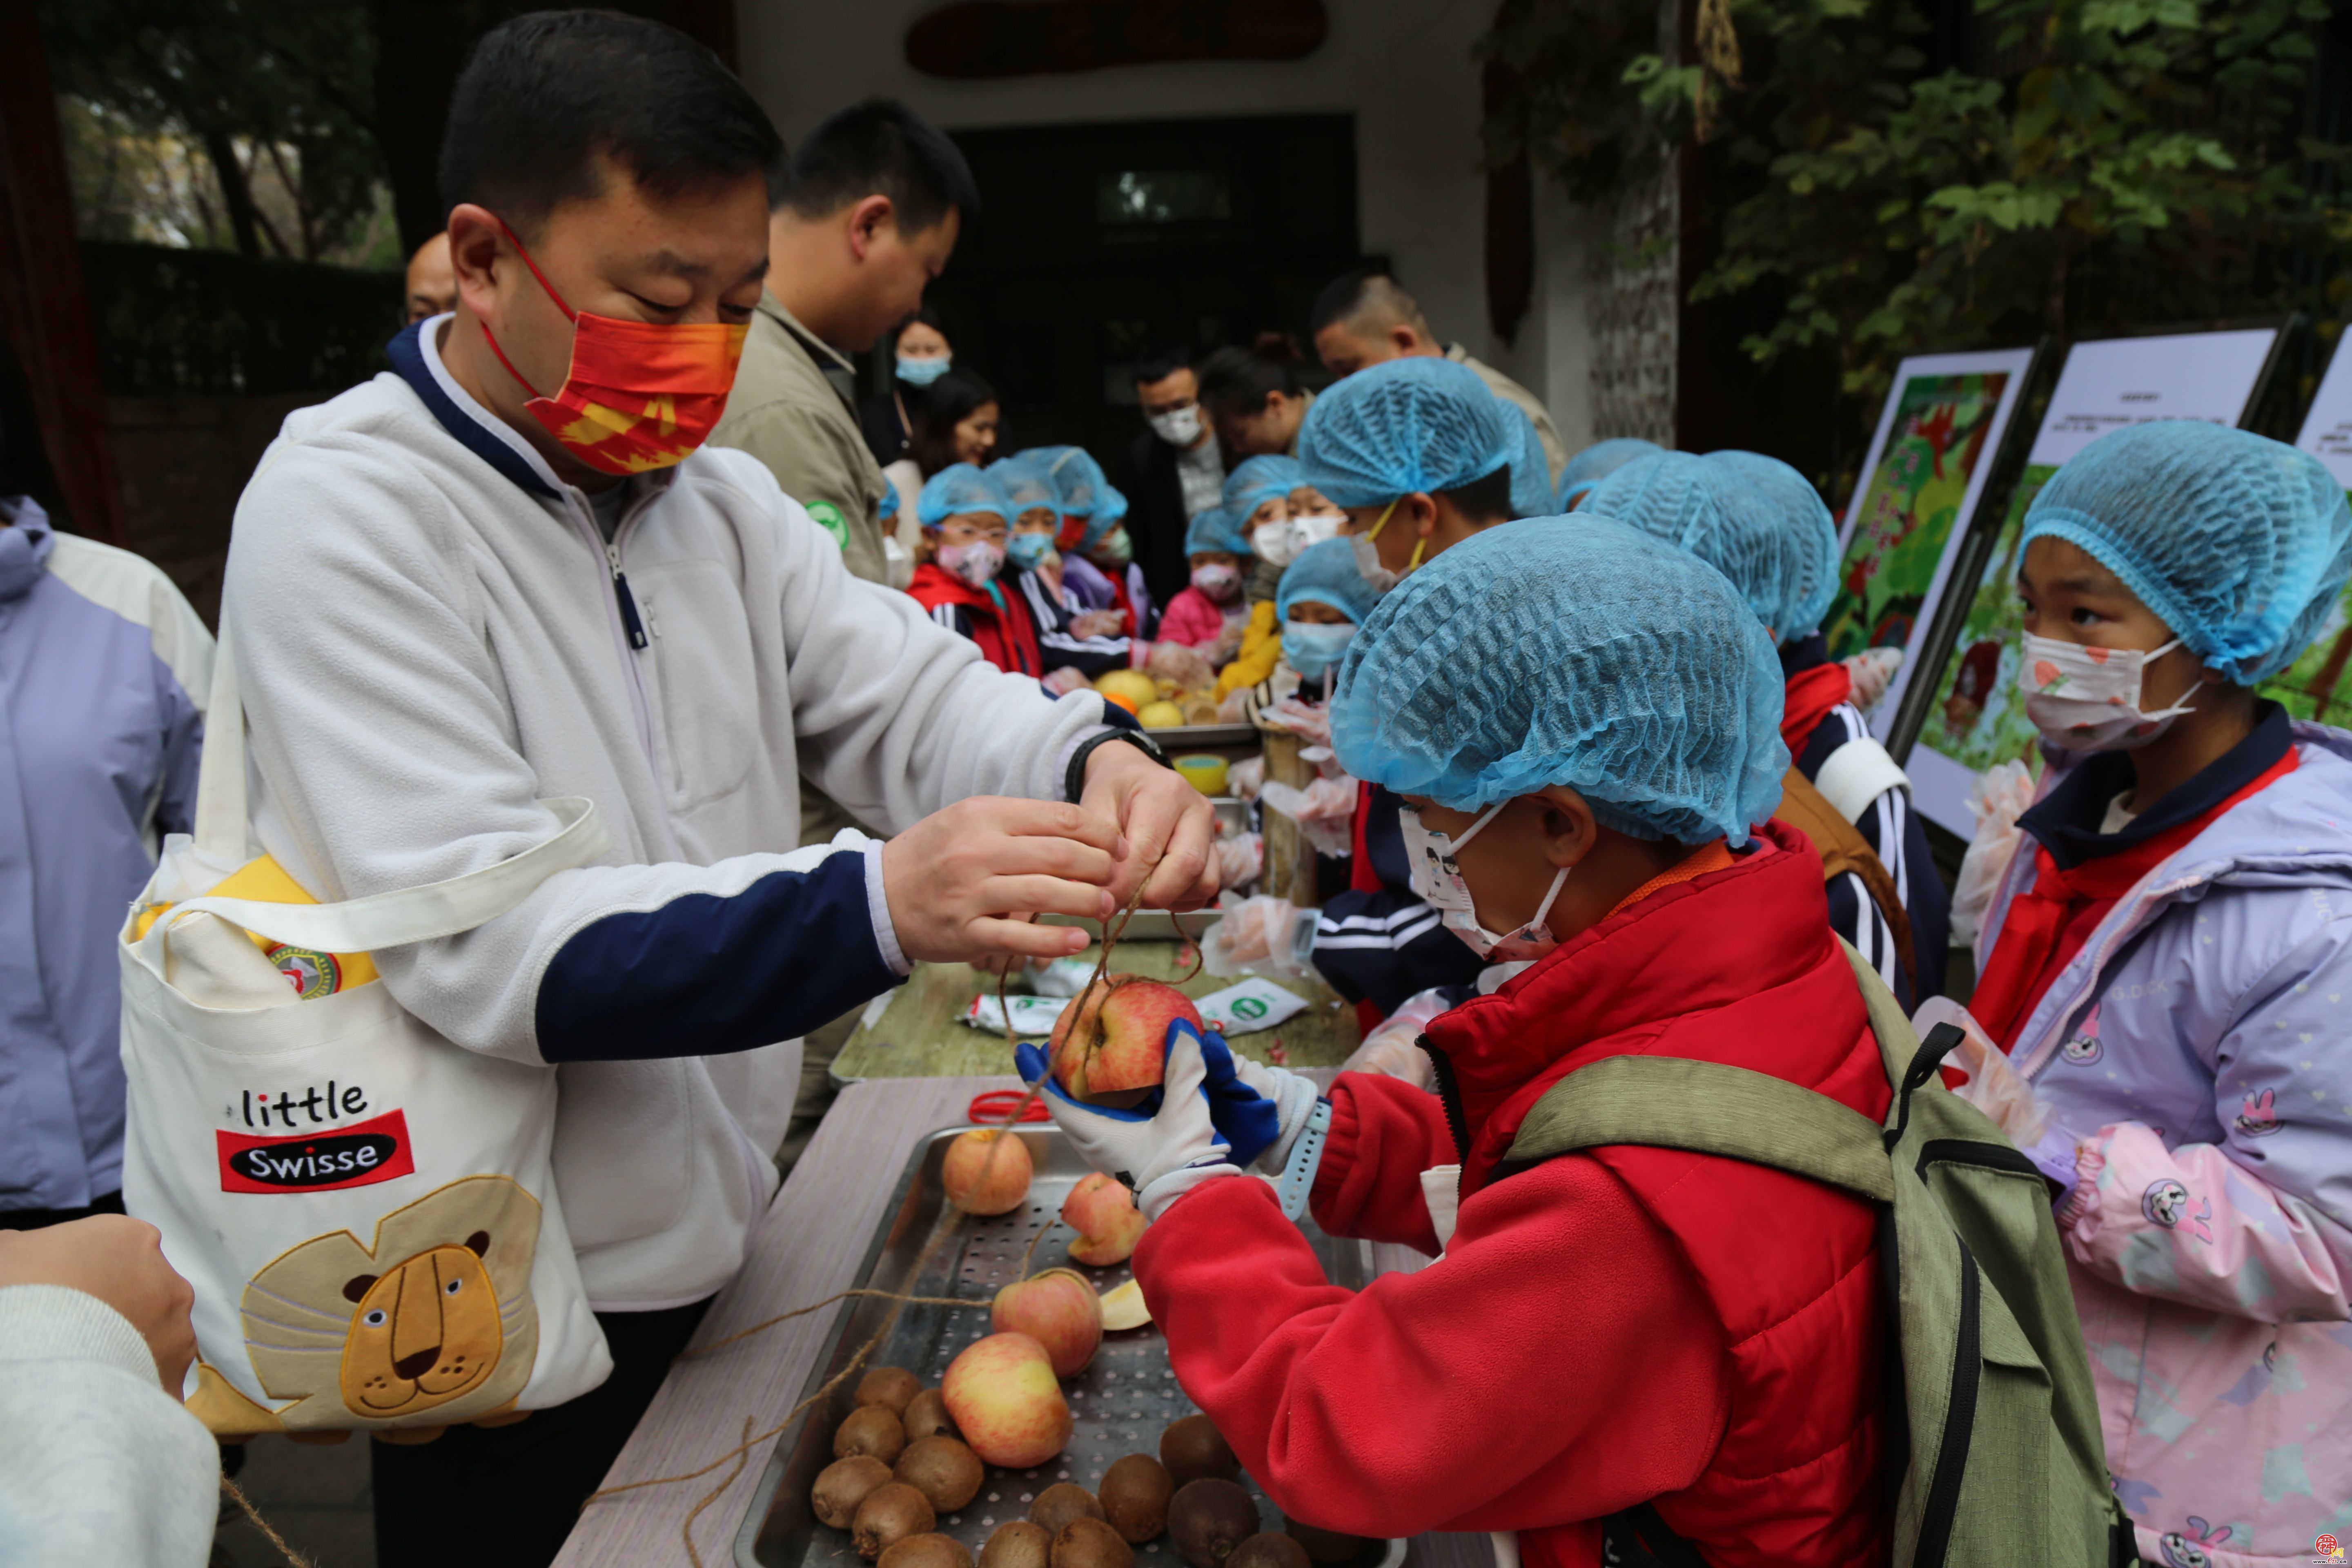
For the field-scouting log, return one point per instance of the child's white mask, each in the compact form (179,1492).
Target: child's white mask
(2087,698)
(1436,878)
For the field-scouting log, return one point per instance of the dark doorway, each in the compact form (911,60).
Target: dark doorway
(1100,242)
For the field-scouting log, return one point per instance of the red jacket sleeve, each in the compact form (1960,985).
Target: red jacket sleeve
(1384,1133)
(1557,1363)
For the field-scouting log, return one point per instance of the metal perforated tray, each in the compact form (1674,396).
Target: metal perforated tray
(1119,1404)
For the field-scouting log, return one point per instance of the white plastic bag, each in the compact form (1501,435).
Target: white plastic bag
(1246,777)
(1325,811)
(2001,795)
(1240,858)
(1390,1050)
(1994,1085)
(1311,721)
(1256,1004)
(1260,935)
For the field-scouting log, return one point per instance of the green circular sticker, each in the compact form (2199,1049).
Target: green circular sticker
(1248,1007)
(828,516)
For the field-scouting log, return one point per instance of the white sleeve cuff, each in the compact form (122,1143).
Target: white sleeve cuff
(58,1323)
(877,907)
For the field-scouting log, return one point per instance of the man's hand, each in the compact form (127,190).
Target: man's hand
(119,1260)
(1164,825)
(954,879)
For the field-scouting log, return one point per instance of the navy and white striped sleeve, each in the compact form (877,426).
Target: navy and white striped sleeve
(1060,647)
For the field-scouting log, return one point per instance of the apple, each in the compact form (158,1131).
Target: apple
(1059,1309)
(987,1171)
(1001,1393)
(1109,1224)
(1132,1055)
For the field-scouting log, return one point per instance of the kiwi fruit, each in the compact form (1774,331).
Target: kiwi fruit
(1193,1449)
(943,1470)
(1019,1544)
(1088,1542)
(891,1513)
(889,1386)
(870,1429)
(1135,1493)
(1062,1503)
(842,1484)
(1324,1545)
(1208,1519)
(925,1416)
(1267,1549)
(927,1550)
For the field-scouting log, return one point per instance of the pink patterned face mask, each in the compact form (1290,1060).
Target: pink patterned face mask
(977,563)
(2087,698)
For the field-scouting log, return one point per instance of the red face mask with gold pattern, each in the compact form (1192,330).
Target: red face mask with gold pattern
(640,394)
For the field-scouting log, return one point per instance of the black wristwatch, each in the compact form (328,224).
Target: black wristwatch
(1074,783)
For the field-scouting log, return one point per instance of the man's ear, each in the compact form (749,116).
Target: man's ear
(1404,339)
(476,241)
(867,218)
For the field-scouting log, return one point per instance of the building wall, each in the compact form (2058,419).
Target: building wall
(1401,67)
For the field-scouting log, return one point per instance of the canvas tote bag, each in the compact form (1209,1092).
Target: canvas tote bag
(367,1211)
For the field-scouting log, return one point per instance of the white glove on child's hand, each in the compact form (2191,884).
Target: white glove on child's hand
(1163,1150)
(1293,1098)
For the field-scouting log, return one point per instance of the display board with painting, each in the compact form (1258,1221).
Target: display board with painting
(1926,471)
(1976,716)
(2315,685)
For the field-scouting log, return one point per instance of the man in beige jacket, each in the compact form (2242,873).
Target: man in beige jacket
(869,214)
(1363,317)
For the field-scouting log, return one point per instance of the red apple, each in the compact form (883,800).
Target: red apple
(1058,1310)
(1109,1224)
(987,1171)
(1132,1055)
(1002,1393)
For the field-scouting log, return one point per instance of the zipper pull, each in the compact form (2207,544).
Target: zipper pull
(629,621)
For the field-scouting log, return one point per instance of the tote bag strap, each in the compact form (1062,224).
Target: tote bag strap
(394,918)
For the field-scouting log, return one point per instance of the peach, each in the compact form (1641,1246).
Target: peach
(1132,1055)
(1058,1310)
(1001,1393)
(987,1171)
(1103,1213)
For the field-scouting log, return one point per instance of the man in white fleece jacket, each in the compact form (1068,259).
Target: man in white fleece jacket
(446,602)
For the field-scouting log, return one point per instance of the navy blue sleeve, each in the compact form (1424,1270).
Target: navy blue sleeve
(1385,947)
(704,975)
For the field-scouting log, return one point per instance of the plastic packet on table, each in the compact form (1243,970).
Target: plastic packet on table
(1061,977)
(1325,811)
(1260,935)
(1249,1006)
(1032,1016)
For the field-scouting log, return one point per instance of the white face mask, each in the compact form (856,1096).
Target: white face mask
(1178,426)
(1316,527)
(1437,878)
(1275,543)
(1368,563)
(2087,698)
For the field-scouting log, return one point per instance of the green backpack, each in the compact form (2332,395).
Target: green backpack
(2004,1463)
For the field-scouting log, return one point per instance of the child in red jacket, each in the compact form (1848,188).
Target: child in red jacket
(965,517)
(1627,1340)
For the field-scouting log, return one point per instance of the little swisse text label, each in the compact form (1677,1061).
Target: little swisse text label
(353,1154)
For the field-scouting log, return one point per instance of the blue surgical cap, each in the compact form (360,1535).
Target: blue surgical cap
(1402,426)
(1259,480)
(1027,485)
(889,504)
(1593,657)
(1530,471)
(2238,543)
(1753,518)
(1596,463)
(960,488)
(1077,477)
(1326,573)
(1213,529)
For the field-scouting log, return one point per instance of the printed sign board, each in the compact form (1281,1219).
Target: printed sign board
(2313,685)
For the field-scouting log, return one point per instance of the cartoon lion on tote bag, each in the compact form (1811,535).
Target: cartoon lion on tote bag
(374,1337)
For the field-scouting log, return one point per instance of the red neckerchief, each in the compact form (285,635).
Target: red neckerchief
(1811,693)
(2048,923)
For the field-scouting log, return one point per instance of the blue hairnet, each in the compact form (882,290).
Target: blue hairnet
(1326,573)
(1215,528)
(1027,485)
(1405,425)
(2238,542)
(1753,518)
(1259,480)
(1596,463)
(960,488)
(889,504)
(1594,656)
(1077,477)
(1530,471)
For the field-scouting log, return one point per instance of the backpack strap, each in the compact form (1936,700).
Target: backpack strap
(1843,849)
(1706,1107)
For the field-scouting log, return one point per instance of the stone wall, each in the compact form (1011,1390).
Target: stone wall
(1637,316)
(183,461)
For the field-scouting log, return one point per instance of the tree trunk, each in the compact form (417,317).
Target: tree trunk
(236,194)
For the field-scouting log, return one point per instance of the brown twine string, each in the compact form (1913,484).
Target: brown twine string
(716,1345)
(742,1458)
(253,1517)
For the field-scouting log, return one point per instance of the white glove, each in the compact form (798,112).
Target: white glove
(1161,1153)
(1294,1098)
(1392,1050)
(1870,671)
(2001,795)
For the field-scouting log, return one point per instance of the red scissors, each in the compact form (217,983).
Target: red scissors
(997,1107)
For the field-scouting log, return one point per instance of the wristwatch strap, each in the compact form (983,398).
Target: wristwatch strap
(1074,783)
(1298,1178)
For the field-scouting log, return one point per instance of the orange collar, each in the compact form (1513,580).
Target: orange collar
(1713,857)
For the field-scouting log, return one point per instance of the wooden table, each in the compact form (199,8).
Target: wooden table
(921,1034)
(808,1245)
